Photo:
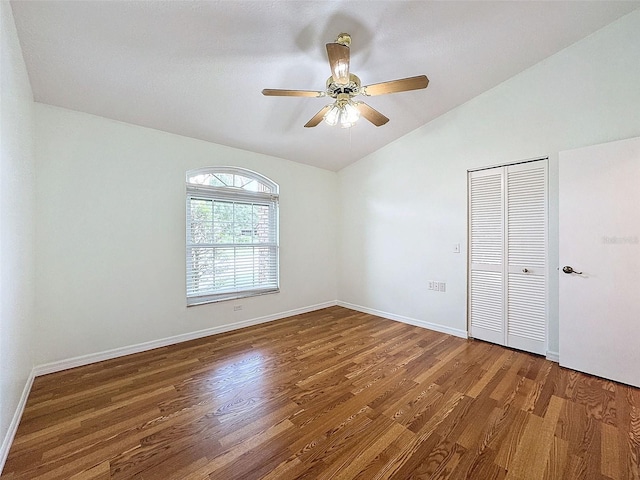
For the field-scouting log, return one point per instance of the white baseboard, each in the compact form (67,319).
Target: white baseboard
(163,342)
(411,321)
(15,421)
(553,356)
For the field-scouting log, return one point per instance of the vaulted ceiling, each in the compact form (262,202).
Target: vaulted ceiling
(197,68)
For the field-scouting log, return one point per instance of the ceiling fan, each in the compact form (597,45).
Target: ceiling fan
(343,86)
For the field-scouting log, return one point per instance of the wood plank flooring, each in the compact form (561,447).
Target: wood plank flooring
(329,394)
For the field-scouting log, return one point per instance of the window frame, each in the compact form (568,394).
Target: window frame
(236,195)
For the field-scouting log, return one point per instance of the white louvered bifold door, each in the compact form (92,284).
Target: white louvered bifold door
(508,255)
(526,210)
(486,251)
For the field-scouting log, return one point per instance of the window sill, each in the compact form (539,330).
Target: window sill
(205,299)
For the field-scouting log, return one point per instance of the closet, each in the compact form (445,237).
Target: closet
(508,228)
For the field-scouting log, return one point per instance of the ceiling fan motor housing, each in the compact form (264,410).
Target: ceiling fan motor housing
(351,88)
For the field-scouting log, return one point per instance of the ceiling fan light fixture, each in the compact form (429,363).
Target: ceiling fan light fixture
(332,116)
(343,113)
(349,115)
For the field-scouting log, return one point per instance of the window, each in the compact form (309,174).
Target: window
(232,234)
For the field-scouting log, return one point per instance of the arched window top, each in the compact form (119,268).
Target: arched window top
(234,178)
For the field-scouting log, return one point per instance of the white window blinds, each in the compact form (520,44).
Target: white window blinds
(232,235)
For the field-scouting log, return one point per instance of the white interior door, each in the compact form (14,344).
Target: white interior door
(486,255)
(508,255)
(526,252)
(599,195)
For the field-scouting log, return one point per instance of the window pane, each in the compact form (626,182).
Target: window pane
(244,233)
(223,232)
(223,211)
(265,272)
(243,215)
(224,268)
(201,209)
(226,179)
(262,231)
(214,181)
(240,181)
(201,270)
(201,221)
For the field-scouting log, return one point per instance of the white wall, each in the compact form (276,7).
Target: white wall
(16,227)
(111,235)
(404,207)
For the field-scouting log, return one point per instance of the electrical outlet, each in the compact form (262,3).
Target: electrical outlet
(237,308)
(435,286)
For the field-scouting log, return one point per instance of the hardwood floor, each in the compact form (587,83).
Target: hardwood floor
(329,394)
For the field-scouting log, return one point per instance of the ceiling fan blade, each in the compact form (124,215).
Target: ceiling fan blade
(393,86)
(371,114)
(274,92)
(317,118)
(339,60)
